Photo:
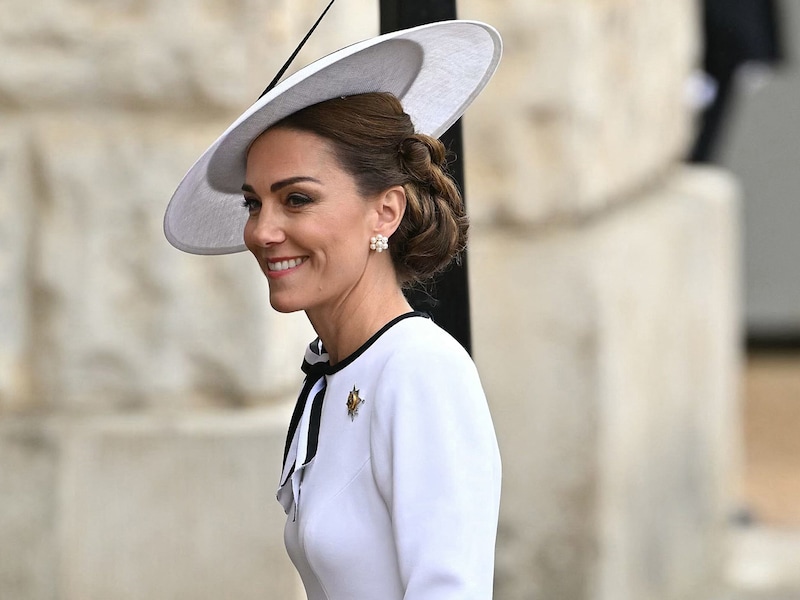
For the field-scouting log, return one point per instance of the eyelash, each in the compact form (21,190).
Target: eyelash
(297,200)
(251,204)
(293,200)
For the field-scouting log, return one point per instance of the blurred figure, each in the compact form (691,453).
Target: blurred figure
(737,33)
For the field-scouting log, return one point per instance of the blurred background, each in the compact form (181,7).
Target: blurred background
(633,245)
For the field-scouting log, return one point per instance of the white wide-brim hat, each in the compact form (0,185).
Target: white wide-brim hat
(435,71)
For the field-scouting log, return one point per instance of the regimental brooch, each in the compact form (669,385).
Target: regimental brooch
(353,402)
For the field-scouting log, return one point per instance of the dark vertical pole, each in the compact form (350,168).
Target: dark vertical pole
(450,303)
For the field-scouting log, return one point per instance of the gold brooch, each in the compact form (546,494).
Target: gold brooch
(353,402)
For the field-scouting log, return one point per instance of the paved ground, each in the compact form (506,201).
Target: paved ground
(766,556)
(772,438)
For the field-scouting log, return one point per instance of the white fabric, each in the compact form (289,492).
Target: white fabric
(401,501)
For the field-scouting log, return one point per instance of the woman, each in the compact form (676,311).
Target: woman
(391,473)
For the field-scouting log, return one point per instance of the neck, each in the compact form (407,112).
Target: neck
(344,328)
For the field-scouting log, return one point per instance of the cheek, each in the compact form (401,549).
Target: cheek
(349,244)
(247,235)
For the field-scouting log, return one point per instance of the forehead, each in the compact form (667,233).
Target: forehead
(280,154)
(290,144)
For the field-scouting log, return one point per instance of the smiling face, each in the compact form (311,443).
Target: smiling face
(309,228)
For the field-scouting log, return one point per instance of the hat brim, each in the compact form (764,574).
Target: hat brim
(435,71)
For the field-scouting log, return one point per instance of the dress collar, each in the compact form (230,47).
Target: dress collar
(302,440)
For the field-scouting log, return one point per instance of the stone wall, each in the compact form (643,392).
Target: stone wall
(610,271)
(144,393)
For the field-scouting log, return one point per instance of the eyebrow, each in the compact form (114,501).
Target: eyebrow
(281,184)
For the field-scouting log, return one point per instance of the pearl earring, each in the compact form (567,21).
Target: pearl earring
(379,243)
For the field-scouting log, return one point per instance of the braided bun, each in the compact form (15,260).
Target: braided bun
(434,229)
(375,142)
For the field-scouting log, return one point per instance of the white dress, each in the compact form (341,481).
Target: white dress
(397,496)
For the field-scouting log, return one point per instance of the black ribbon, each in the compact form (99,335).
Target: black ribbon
(314,372)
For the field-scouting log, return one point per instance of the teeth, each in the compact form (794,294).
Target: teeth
(285,264)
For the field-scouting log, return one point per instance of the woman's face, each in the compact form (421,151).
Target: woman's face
(309,228)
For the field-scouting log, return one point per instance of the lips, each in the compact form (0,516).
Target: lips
(285,264)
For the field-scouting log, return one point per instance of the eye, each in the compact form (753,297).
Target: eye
(253,205)
(295,200)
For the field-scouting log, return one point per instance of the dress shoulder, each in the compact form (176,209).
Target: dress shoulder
(421,342)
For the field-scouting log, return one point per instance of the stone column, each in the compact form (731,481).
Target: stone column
(143,392)
(605,304)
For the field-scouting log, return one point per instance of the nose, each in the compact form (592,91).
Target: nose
(264,229)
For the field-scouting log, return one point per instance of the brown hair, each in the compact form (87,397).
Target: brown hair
(375,142)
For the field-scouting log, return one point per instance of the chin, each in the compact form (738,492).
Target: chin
(285,309)
(283,305)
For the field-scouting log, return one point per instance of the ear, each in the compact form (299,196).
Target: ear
(390,207)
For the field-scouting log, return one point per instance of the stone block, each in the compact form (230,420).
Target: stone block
(29,467)
(123,319)
(209,53)
(609,354)
(588,105)
(19,211)
(179,507)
